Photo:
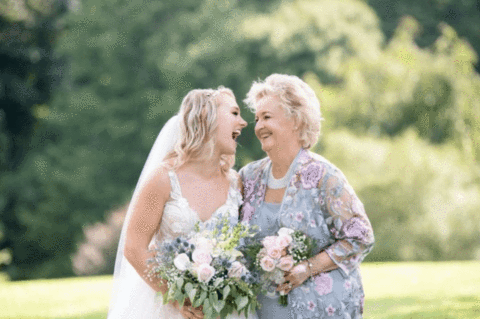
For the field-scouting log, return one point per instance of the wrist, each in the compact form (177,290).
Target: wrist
(311,270)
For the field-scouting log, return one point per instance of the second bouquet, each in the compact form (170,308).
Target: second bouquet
(208,268)
(277,255)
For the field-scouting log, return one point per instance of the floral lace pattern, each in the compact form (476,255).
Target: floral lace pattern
(320,202)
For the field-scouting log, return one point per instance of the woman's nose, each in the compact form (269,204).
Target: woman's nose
(258,126)
(243,123)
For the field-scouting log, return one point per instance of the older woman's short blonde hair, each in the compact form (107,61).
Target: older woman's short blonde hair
(198,124)
(298,100)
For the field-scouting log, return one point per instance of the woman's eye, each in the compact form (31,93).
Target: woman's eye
(235,113)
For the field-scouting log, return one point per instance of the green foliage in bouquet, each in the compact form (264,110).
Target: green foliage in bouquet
(208,268)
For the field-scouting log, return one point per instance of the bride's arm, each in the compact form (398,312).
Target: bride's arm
(145,220)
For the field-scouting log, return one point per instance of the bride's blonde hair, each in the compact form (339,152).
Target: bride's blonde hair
(198,124)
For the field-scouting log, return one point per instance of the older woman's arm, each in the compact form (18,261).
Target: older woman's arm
(347,221)
(352,234)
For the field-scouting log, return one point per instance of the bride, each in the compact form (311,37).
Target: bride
(187,179)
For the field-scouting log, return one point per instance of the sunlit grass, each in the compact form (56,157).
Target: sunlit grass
(447,290)
(56,298)
(422,290)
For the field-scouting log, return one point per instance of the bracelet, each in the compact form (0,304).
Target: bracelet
(310,265)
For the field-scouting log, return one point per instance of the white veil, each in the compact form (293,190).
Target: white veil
(131,296)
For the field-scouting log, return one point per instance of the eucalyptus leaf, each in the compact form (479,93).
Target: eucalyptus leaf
(200,300)
(188,287)
(217,282)
(208,310)
(191,295)
(226,291)
(219,305)
(179,283)
(241,302)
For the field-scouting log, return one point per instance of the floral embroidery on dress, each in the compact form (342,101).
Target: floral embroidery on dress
(320,202)
(355,228)
(323,284)
(330,310)
(311,175)
(247,212)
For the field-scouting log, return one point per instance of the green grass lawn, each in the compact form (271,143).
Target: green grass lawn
(443,290)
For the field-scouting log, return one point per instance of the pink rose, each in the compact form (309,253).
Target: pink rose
(205,272)
(284,240)
(286,263)
(275,252)
(202,256)
(267,264)
(269,241)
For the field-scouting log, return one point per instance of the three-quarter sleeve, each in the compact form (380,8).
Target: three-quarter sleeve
(347,222)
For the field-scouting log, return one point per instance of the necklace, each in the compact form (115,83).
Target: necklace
(274,183)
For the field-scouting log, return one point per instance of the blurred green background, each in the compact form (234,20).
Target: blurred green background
(86,85)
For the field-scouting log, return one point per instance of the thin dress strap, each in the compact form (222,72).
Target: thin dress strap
(176,192)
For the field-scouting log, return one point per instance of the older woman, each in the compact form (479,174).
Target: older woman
(296,188)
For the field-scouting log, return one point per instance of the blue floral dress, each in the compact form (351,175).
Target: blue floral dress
(320,202)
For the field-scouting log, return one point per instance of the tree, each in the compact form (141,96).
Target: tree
(463,16)
(29,71)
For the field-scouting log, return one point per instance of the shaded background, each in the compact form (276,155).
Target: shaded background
(86,85)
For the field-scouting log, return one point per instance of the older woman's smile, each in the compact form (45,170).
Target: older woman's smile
(273,127)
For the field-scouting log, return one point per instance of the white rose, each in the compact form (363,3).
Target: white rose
(237,270)
(182,262)
(202,256)
(285,231)
(205,272)
(284,240)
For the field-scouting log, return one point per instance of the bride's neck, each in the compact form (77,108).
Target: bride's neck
(206,168)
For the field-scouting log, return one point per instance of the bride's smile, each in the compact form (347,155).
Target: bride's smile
(230,125)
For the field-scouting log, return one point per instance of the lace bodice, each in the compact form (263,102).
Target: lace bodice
(179,218)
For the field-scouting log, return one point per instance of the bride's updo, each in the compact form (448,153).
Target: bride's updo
(198,124)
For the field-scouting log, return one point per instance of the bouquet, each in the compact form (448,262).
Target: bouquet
(208,268)
(279,254)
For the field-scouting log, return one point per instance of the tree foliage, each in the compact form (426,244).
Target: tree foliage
(29,71)
(463,16)
(130,62)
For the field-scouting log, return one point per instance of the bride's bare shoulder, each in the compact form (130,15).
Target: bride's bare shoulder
(159,181)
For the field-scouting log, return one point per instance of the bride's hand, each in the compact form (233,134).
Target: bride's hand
(188,311)
(294,278)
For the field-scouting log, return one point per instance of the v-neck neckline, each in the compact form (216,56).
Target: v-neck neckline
(191,208)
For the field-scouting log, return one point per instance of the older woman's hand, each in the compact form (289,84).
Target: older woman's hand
(294,278)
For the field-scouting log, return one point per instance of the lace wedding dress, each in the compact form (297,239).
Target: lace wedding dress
(141,301)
